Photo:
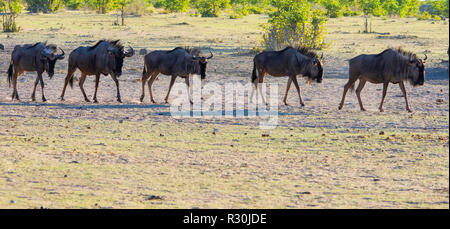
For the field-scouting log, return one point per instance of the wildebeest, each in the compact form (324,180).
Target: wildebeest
(287,62)
(390,66)
(39,58)
(180,62)
(105,57)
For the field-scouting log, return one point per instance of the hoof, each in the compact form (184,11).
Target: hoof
(381,110)
(44,100)
(362,109)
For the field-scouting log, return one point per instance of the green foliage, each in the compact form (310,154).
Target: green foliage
(74,4)
(139,8)
(101,6)
(438,7)
(212,8)
(10,10)
(294,23)
(45,6)
(176,5)
(424,16)
(372,7)
(335,8)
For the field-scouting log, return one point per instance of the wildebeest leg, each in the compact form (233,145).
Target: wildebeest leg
(144,79)
(294,79)
(402,87)
(42,87)
(33,95)
(358,93)
(287,91)
(261,81)
(172,81)
(15,94)
(97,81)
(385,87)
(117,86)
(81,83)
(348,85)
(69,76)
(150,84)
(188,89)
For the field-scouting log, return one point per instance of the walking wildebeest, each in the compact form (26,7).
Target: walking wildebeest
(180,62)
(105,57)
(390,66)
(287,62)
(39,58)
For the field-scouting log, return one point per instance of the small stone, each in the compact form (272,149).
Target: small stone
(381,132)
(12,201)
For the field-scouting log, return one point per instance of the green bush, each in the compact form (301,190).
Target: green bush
(212,8)
(295,23)
(45,6)
(176,5)
(74,4)
(10,9)
(424,16)
(334,8)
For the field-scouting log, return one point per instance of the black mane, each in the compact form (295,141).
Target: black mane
(190,50)
(114,43)
(303,50)
(399,50)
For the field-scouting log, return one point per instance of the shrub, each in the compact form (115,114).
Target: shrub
(74,4)
(334,8)
(138,8)
(10,9)
(424,16)
(294,23)
(212,8)
(45,6)
(176,5)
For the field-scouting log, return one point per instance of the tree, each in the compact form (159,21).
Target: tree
(294,23)
(212,8)
(45,6)
(101,6)
(176,5)
(10,9)
(120,5)
(370,7)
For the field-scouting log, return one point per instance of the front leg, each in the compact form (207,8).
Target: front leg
(188,89)
(42,87)
(172,81)
(117,87)
(287,91)
(402,87)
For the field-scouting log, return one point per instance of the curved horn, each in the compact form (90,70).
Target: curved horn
(210,56)
(426,57)
(61,56)
(130,52)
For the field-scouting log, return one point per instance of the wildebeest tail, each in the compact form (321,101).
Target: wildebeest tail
(254,76)
(10,73)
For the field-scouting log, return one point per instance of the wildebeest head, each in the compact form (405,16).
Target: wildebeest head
(317,72)
(202,62)
(49,58)
(416,71)
(116,57)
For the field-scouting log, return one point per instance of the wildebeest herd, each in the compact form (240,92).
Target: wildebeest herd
(393,65)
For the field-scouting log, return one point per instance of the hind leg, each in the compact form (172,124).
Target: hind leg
(150,84)
(361,85)
(69,76)
(144,79)
(261,81)
(15,94)
(348,85)
(97,81)
(81,83)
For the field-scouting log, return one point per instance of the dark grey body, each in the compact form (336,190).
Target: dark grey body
(2,47)
(39,58)
(178,62)
(287,62)
(390,66)
(105,57)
